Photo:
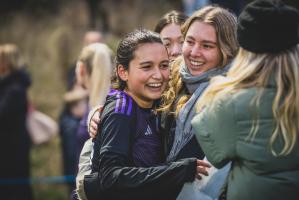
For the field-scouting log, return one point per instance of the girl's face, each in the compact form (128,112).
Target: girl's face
(148,73)
(200,49)
(172,38)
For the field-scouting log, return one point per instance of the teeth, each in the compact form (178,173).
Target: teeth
(196,63)
(155,84)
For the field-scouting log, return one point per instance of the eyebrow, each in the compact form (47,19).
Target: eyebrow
(169,38)
(145,62)
(203,41)
(150,62)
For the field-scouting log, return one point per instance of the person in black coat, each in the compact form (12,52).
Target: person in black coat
(15,141)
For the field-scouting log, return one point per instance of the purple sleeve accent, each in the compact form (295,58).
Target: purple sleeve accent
(117,104)
(130,106)
(123,104)
(112,92)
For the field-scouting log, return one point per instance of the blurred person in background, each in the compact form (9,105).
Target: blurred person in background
(75,105)
(233,5)
(169,28)
(90,37)
(191,6)
(93,36)
(93,71)
(15,140)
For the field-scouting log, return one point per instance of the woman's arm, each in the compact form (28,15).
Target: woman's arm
(94,120)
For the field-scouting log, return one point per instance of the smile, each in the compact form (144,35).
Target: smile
(154,85)
(196,63)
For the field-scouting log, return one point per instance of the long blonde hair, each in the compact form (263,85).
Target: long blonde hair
(225,25)
(97,58)
(254,70)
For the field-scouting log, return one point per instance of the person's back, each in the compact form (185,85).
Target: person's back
(250,117)
(256,172)
(269,176)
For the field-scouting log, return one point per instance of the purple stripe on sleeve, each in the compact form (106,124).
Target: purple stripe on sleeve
(123,104)
(112,92)
(130,106)
(117,103)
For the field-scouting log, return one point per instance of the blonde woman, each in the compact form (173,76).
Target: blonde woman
(209,46)
(251,116)
(93,72)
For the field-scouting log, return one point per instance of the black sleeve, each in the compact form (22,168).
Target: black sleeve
(114,137)
(13,101)
(115,181)
(114,177)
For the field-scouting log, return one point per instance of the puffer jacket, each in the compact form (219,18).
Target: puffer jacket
(222,130)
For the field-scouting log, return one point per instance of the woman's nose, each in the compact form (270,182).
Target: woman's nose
(196,50)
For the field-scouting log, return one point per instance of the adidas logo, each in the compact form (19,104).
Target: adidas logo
(148,131)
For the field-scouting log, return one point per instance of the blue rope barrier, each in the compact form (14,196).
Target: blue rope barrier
(39,180)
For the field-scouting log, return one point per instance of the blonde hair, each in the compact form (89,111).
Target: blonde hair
(225,24)
(97,58)
(254,70)
(10,57)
